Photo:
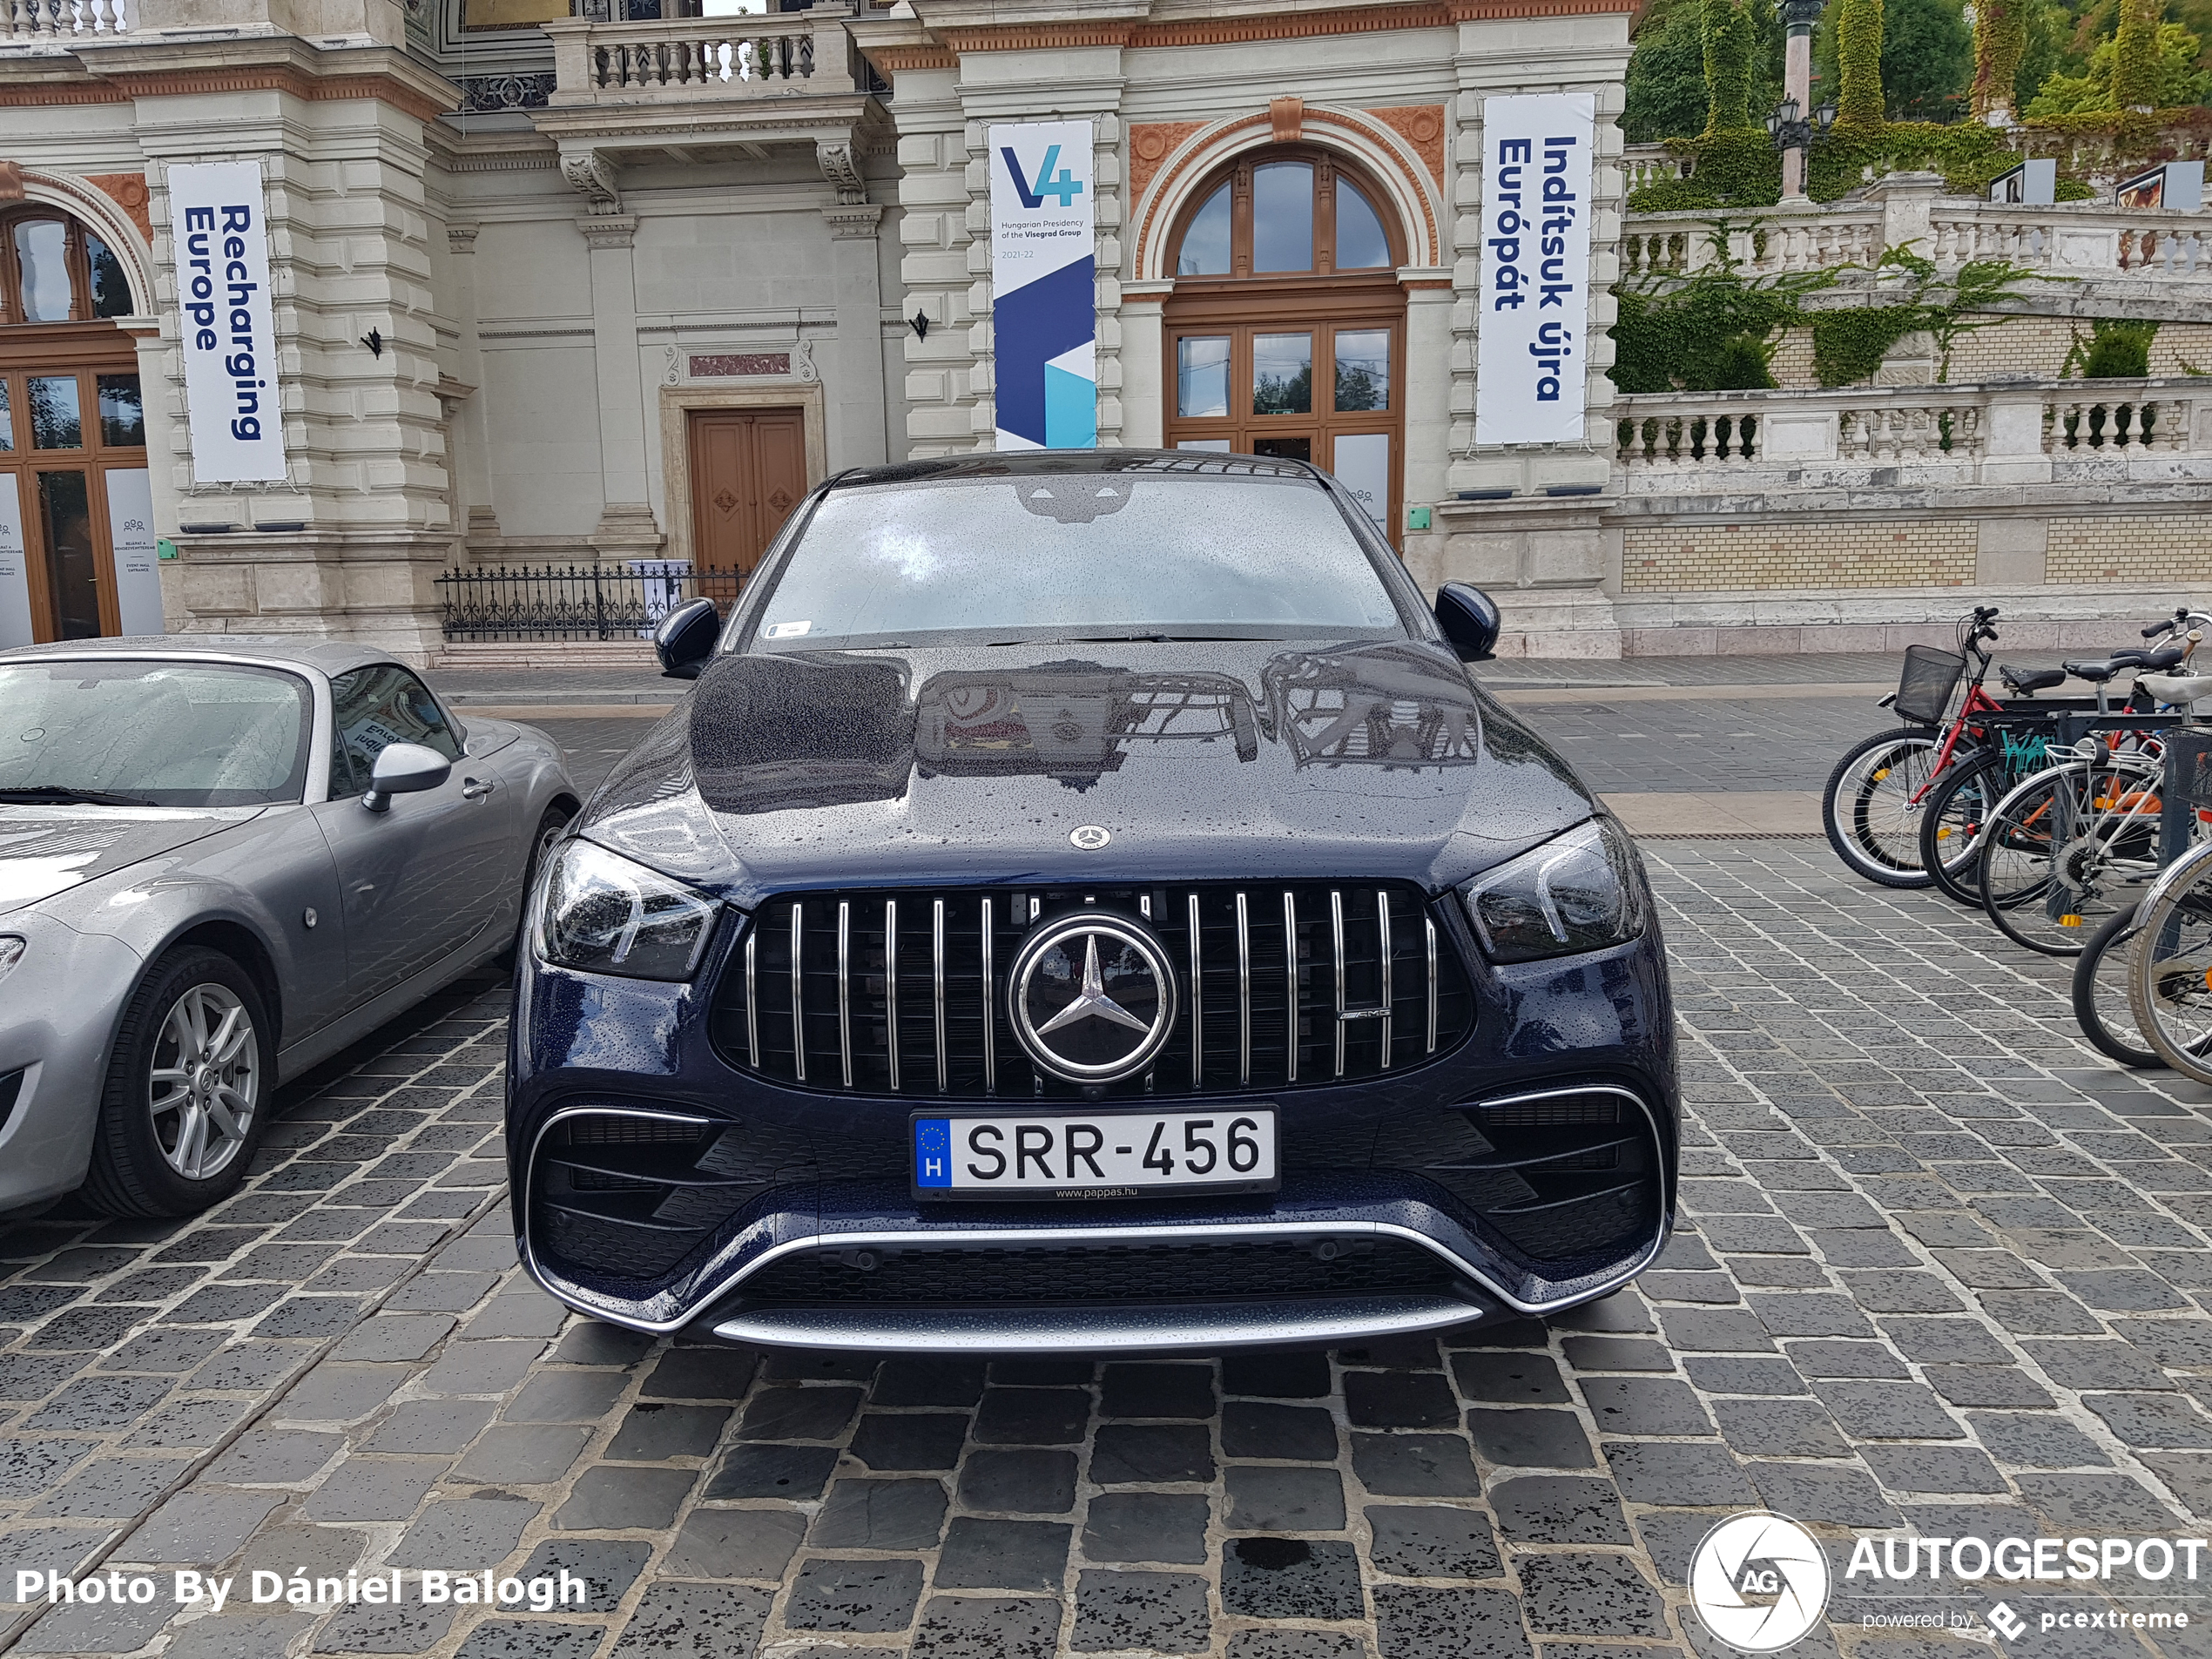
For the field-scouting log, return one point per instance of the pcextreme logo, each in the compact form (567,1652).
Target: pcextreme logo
(1064,189)
(1759,1581)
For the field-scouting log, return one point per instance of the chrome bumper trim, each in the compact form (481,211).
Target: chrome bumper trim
(1204,1328)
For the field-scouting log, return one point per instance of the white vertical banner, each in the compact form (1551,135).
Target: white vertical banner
(15,574)
(130,528)
(1044,292)
(1530,382)
(1362,466)
(217,215)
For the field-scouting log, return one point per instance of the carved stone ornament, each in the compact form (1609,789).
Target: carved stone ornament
(593,176)
(842,168)
(10,181)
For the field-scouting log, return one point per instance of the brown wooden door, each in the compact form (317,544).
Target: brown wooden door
(748,471)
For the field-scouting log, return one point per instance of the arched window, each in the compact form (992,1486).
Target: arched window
(1285,331)
(1286,212)
(56,270)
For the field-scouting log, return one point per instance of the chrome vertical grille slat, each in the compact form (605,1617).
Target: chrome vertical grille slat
(752,996)
(990,994)
(937,983)
(837,1012)
(1336,935)
(891,989)
(1428,931)
(845,990)
(798,988)
(1383,956)
(1197,1002)
(1244,995)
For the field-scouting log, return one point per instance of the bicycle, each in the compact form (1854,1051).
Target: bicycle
(2102,1005)
(1960,801)
(1872,803)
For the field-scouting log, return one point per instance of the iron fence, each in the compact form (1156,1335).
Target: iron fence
(612,601)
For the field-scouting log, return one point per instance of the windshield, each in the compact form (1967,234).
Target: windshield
(1075,558)
(163,734)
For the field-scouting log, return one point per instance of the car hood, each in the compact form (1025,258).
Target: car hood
(47,850)
(1215,761)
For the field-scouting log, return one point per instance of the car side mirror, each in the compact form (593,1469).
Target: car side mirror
(685,639)
(1470,620)
(404,769)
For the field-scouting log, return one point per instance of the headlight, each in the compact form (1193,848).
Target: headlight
(604,914)
(1578,892)
(11,950)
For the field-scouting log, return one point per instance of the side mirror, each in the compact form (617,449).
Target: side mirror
(685,640)
(1470,620)
(404,769)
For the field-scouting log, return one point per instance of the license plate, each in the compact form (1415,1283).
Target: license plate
(1095,1155)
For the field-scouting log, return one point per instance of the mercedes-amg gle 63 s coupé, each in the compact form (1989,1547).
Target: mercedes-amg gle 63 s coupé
(1085,904)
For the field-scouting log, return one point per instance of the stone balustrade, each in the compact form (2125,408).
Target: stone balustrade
(29,22)
(690,58)
(1648,164)
(2079,240)
(2086,432)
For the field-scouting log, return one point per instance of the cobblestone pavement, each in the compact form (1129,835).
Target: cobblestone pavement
(1939,1269)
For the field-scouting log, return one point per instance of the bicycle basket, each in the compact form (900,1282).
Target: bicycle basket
(1924,689)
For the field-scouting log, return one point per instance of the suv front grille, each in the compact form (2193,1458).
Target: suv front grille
(1061,1276)
(904,993)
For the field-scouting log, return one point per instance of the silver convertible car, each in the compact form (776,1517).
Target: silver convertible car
(221,863)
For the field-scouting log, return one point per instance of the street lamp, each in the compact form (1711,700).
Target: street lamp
(1793,137)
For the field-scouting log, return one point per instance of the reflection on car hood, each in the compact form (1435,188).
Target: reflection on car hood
(46,850)
(1221,761)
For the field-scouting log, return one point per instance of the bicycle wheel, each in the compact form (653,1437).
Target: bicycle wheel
(2101,1002)
(2060,851)
(1868,807)
(2168,989)
(1952,820)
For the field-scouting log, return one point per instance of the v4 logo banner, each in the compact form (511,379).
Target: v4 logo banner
(1064,188)
(1044,306)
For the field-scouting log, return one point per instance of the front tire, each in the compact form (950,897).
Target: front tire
(186,1099)
(1868,810)
(2101,1002)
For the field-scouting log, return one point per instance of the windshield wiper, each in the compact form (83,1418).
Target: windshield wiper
(1156,639)
(65,795)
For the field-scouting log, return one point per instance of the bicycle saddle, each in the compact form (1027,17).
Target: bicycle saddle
(2122,661)
(2178,688)
(2024,680)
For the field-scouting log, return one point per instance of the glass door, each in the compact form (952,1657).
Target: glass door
(72,444)
(1323,393)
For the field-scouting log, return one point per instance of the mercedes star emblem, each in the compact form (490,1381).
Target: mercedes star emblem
(1089,837)
(1093,997)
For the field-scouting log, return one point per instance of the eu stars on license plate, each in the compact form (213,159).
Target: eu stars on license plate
(1098,1154)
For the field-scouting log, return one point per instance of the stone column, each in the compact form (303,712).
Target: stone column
(627,528)
(854,376)
(1144,389)
(470,442)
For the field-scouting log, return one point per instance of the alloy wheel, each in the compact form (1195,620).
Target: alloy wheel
(205,1082)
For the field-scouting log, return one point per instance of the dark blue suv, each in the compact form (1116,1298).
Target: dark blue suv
(1085,904)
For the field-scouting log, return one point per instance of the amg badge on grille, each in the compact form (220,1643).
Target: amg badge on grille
(1093,997)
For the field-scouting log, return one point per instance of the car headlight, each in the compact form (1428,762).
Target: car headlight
(1577,892)
(12,947)
(604,914)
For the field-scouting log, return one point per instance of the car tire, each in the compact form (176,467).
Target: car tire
(550,823)
(170,1140)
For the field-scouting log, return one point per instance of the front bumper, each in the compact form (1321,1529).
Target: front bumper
(812,1181)
(58,1011)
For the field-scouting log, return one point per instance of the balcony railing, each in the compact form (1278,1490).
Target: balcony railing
(2118,430)
(26,22)
(764,56)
